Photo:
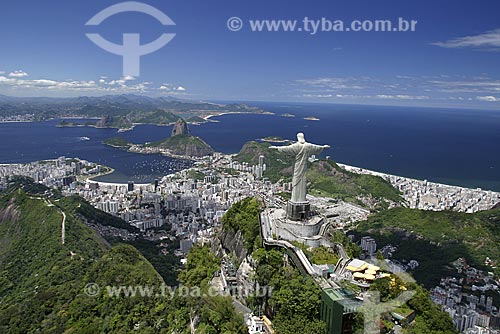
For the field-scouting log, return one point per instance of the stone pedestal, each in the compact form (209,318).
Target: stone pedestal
(298,211)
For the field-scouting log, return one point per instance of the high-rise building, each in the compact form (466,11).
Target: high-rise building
(258,172)
(113,207)
(369,245)
(130,186)
(61,161)
(489,304)
(483,320)
(466,321)
(495,321)
(482,300)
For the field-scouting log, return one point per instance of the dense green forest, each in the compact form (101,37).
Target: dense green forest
(330,180)
(429,317)
(117,142)
(215,313)
(243,216)
(450,234)
(43,283)
(295,300)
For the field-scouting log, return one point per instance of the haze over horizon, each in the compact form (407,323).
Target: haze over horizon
(448,61)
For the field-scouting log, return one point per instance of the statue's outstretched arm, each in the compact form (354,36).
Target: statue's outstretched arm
(285,149)
(318,148)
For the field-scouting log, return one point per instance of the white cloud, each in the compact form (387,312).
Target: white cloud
(128,78)
(2,72)
(41,82)
(488,40)
(488,98)
(8,81)
(380,96)
(335,83)
(401,97)
(172,89)
(362,88)
(318,96)
(101,85)
(18,74)
(116,83)
(403,89)
(484,85)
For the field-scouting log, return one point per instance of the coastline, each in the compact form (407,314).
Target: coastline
(353,169)
(48,119)
(90,178)
(140,150)
(25,121)
(207,117)
(361,170)
(467,182)
(116,184)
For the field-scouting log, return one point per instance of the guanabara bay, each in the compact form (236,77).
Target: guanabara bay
(250,167)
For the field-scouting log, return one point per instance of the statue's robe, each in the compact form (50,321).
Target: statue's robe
(302,152)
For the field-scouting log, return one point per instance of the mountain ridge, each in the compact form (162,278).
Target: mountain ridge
(134,107)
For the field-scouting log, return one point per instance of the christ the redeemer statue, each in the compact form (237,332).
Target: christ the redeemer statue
(302,151)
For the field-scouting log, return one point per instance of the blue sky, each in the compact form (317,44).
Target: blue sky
(451,60)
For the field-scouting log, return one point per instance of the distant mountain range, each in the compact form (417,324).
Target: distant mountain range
(134,107)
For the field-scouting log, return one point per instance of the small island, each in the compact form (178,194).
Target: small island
(122,123)
(275,139)
(287,115)
(311,118)
(181,144)
(118,142)
(115,122)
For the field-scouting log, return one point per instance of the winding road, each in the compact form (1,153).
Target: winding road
(63,227)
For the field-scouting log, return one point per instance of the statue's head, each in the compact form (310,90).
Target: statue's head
(300,138)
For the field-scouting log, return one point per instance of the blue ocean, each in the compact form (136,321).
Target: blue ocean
(452,146)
